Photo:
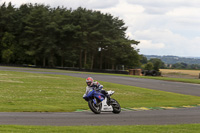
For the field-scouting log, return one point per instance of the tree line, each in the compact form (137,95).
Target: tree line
(156,64)
(182,65)
(151,64)
(168,59)
(43,36)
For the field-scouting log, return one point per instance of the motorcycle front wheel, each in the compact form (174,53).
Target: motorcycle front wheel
(94,107)
(116,106)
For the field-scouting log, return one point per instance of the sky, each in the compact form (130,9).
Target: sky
(163,27)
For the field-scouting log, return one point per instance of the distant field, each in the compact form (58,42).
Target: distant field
(177,72)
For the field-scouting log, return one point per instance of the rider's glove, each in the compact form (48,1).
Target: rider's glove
(98,88)
(84,95)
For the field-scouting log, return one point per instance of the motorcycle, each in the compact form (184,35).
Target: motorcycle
(98,102)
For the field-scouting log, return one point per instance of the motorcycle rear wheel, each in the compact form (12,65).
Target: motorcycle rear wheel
(116,106)
(96,109)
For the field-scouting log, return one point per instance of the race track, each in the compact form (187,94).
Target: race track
(150,117)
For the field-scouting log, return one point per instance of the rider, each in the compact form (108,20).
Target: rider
(97,86)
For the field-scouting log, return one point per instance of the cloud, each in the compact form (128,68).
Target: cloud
(90,4)
(165,3)
(184,12)
(160,35)
(69,3)
(185,21)
(102,4)
(148,44)
(163,6)
(123,10)
(165,42)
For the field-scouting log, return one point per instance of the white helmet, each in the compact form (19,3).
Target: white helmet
(89,81)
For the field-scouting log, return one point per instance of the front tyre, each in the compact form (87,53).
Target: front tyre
(116,106)
(95,108)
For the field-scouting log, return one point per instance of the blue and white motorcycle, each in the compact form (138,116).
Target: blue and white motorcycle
(98,102)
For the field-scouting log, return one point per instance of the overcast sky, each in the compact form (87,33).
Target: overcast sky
(163,27)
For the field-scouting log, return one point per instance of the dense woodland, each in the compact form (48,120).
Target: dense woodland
(43,36)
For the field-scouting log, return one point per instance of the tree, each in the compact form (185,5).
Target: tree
(149,66)
(143,59)
(44,36)
(157,63)
(7,32)
(36,35)
(8,42)
(180,65)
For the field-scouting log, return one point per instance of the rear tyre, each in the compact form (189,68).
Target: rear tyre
(95,108)
(116,106)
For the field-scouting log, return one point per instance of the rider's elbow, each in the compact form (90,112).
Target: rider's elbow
(101,86)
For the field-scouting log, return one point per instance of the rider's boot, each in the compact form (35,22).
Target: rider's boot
(108,99)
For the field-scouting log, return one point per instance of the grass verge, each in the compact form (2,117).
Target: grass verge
(28,92)
(189,128)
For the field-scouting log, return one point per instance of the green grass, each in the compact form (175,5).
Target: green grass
(21,92)
(189,128)
(28,92)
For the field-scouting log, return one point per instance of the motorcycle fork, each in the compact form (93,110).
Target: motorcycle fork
(96,101)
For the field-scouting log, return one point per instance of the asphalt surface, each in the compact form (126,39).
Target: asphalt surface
(150,117)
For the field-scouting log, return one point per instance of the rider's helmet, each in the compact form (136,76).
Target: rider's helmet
(89,81)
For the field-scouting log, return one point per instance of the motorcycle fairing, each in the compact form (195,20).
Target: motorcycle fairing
(95,94)
(105,107)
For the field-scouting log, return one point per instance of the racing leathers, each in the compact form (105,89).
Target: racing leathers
(98,87)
